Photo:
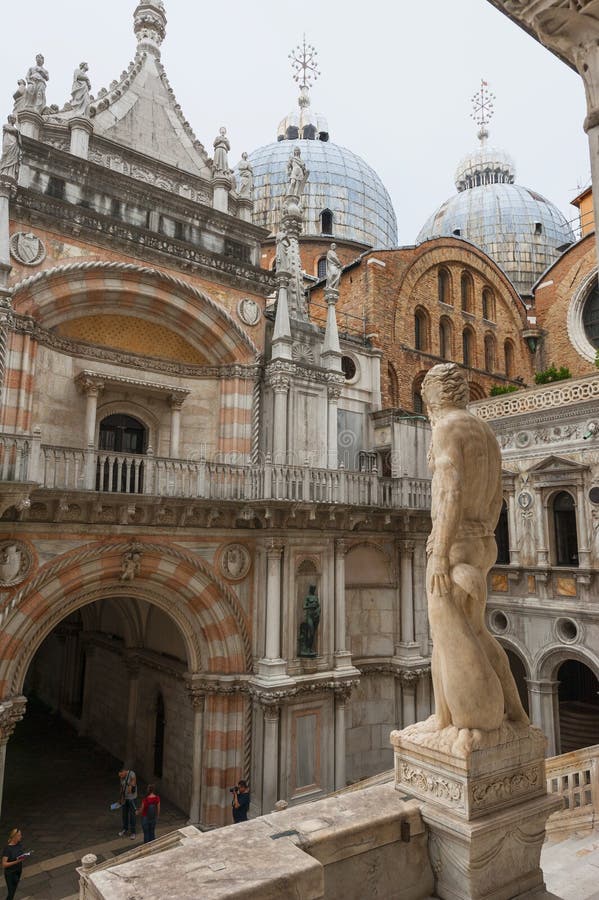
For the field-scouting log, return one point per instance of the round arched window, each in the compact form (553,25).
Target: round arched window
(590,316)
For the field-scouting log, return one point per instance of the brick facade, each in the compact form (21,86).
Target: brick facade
(385,291)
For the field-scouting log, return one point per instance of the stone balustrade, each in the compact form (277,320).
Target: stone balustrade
(24,458)
(574,777)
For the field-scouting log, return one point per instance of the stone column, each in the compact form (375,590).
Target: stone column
(408,696)
(8,187)
(341,696)
(331,349)
(333,394)
(342,654)
(132,665)
(423,695)
(91,388)
(272,665)
(81,130)
(176,404)
(221,186)
(584,549)
(270,759)
(512,530)
(407,645)
(544,711)
(198,702)
(280,386)
(11,712)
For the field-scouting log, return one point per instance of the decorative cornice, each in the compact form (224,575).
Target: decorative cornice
(534,400)
(144,241)
(83,350)
(86,379)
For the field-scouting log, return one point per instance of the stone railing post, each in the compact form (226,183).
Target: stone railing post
(149,472)
(33,468)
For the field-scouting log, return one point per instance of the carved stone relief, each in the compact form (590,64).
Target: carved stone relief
(27,248)
(235,562)
(16,561)
(249,311)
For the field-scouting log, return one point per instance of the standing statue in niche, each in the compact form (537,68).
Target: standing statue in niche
(474,687)
(35,93)
(334,269)
(221,150)
(245,174)
(11,149)
(80,91)
(297,174)
(309,627)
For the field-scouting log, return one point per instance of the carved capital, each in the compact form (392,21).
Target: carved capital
(341,547)
(11,712)
(89,385)
(176,401)
(274,549)
(279,383)
(334,392)
(406,548)
(197,697)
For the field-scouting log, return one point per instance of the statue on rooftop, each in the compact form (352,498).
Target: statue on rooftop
(80,91)
(297,174)
(334,269)
(245,174)
(474,687)
(221,150)
(11,149)
(35,93)
(19,96)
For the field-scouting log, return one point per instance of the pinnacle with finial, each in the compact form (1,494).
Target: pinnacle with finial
(304,64)
(482,109)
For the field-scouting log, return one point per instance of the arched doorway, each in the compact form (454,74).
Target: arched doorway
(578,695)
(163,629)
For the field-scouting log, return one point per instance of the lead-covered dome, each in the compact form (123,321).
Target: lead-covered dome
(521,230)
(343,195)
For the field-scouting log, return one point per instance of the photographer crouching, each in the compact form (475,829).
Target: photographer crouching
(241,801)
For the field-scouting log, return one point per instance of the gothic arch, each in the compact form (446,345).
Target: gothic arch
(129,408)
(212,624)
(104,288)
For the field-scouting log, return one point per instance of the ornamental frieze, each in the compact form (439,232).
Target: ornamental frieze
(507,788)
(441,788)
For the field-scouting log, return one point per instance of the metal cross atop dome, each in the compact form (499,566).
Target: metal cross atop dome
(482,109)
(304,64)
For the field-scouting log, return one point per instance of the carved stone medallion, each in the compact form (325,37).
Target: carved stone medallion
(16,561)
(525,500)
(27,248)
(249,311)
(235,562)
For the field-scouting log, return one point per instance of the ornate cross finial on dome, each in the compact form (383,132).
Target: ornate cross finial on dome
(149,25)
(483,110)
(305,68)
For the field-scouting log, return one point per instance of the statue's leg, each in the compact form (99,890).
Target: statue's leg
(441,708)
(473,599)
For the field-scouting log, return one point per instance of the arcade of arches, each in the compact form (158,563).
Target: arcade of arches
(566,703)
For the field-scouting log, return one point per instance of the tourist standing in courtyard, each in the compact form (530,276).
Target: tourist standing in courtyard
(149,811)
(12,862)
(127,798)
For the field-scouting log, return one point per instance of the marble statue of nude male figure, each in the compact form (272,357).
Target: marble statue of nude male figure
(473,685)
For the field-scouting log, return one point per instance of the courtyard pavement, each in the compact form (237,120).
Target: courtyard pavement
(58,789)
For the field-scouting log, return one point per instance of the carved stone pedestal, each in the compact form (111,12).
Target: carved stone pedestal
(485,805)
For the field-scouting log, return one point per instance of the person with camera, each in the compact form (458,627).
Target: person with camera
(241,801)
(127,798)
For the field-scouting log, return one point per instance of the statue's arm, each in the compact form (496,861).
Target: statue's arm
(447,508)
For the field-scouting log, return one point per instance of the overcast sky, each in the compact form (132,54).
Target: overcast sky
(396,83)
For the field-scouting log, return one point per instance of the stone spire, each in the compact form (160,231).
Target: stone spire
(149,25)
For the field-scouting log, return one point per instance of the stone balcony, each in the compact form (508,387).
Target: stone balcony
(27,467)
